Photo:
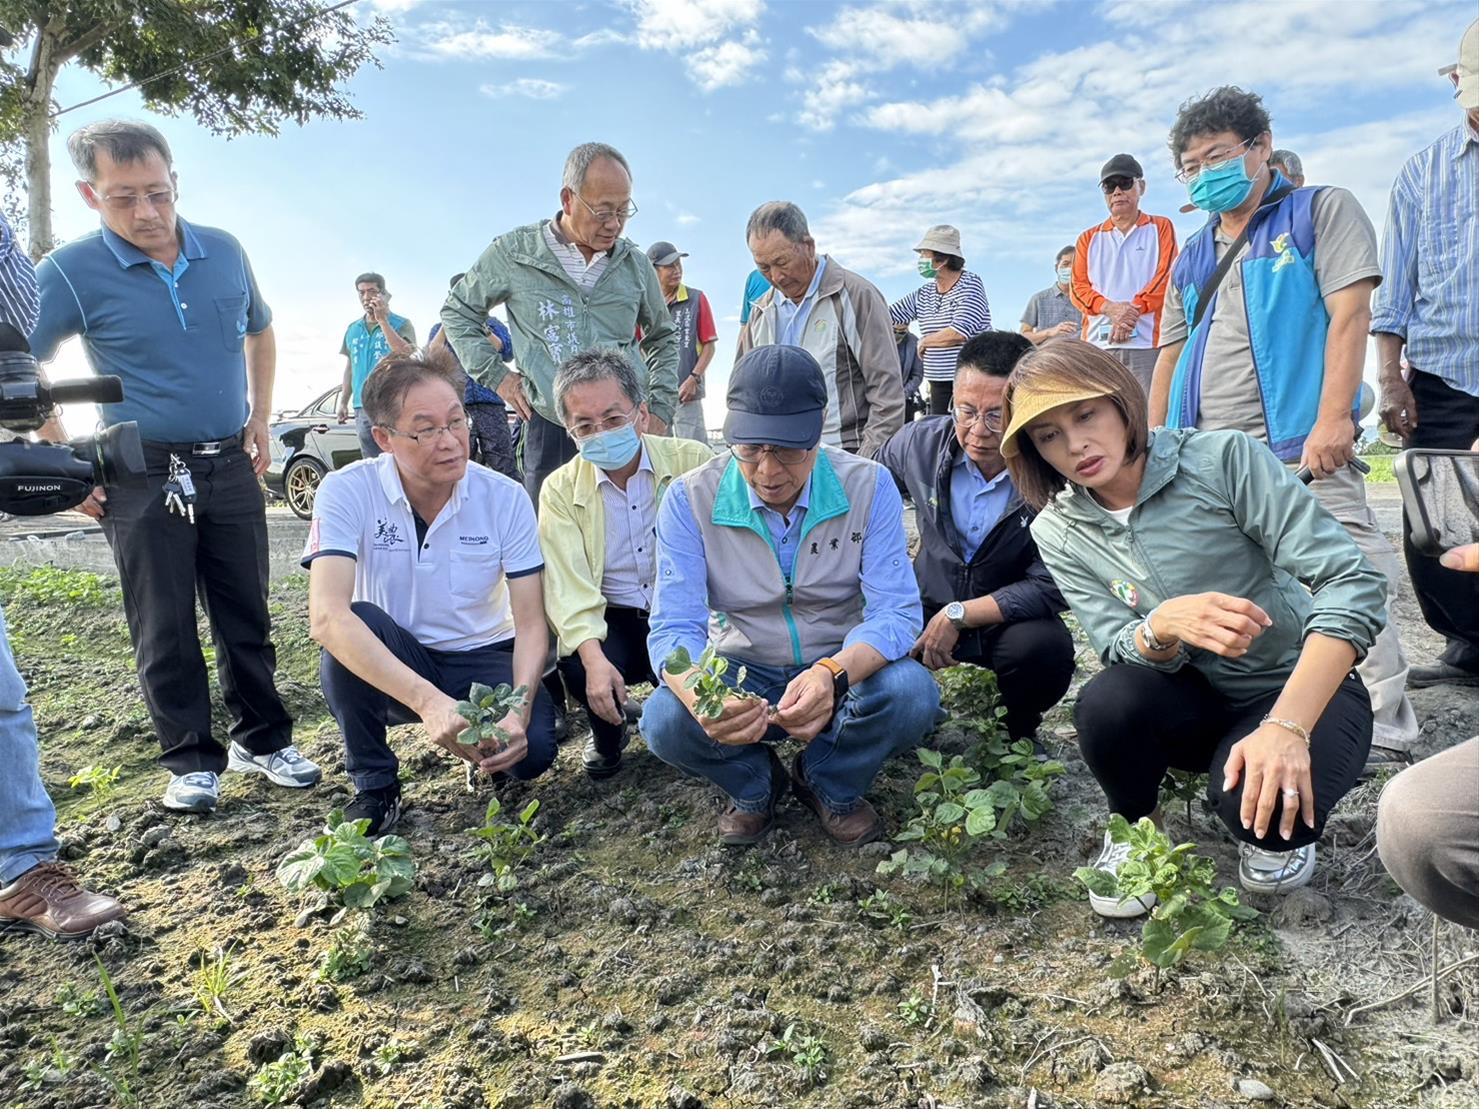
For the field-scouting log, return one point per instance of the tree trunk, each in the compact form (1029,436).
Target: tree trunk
(46,61)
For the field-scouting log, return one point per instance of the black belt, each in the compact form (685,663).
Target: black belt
(208,449)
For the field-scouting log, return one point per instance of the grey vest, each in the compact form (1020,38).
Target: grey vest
(685,321)
(757,615)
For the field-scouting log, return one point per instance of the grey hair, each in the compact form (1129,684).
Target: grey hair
(124,140)
(1289,160)
(590,366)
(778,215)
(578,163)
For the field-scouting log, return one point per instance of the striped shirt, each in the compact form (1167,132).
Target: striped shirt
(19,303)
(1430,256)
(576,268)
(963,308)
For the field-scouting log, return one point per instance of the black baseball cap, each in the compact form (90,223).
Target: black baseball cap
(664,253)
(777,397)
(1121,165)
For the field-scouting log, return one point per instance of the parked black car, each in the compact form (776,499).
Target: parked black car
(306,445)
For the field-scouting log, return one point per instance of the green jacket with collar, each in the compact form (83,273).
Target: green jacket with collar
(551,318)
(1217,512)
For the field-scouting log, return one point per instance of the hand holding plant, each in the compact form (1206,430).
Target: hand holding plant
(728,714)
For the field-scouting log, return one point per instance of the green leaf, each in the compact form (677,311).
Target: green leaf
(948,812)
(1119,828)
(469,711)
(1157,939)
(341,865)
(976,798)
(1099,882)
(299,868)
(677,662)
(529,810)
(981,821)
(930,757)
(360,894)
(479,693)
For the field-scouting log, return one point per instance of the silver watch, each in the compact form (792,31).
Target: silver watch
(955,613)
(1150,640)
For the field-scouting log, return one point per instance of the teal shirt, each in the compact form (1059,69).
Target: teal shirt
(364,345)
(1217,512)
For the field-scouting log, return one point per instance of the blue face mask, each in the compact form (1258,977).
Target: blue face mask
(1221,188)
(611,450)
(1065,274)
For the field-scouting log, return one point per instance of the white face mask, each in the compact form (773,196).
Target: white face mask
(1065,274)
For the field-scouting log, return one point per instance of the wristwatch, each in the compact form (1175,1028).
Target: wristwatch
(839,678)
(955,613)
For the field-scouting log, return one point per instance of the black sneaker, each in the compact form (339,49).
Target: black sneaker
(381,807)
(599,763)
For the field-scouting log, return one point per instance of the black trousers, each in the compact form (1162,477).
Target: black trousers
(165,563)
(1447,419)
(1033,662)
(940,395)
(363,712)
(1135,722)
(491,443)
(625,648)
(545,448)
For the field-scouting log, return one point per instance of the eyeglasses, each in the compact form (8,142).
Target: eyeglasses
(610,423)
(123,202)
(428,435)
(965,417)
(1187,174)
(1117,184)
(752,453)
(609,215)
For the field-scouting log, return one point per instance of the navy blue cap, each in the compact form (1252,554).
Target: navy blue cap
(777,397)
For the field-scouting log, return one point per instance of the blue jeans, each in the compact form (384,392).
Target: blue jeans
(363,712)
(880,716)
(27,819)
(368,448)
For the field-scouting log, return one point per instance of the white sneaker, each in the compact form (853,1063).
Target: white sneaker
(1261,871)
(193,792)
(1111,857)
(284,768)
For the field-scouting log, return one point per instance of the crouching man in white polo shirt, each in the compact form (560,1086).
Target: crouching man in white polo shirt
(424,577)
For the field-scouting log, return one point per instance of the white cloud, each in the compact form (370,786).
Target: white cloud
(687,219)
(531,87)
(835,88)
(728,63)
(683,24)
(507,41)
(1039,124)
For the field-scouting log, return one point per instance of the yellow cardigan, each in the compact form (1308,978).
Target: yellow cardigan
(572,536)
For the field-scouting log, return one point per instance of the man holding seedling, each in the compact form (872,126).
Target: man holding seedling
(424,579)
(790,559)
(598,529)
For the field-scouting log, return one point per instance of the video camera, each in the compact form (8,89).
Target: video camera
(40,478)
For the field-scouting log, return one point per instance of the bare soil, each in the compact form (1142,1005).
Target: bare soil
(637,964)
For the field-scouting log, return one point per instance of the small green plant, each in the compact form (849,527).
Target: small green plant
(970,692)
(915,1010)
(124,1045)
(214,980)
(484,708)
(808,1054)
(349,955)
(1190,915)
(389,1055)
(347,865)
(706,679)
(952,815)
(824,894)
(97,780)
(881,910)
(505,846)
(277,1081)
(76,1002)
(1182,786)
(589,1036)
(1018,783)
(48,585)
(55,1066)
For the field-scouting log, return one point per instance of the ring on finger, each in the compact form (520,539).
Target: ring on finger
(1290,792)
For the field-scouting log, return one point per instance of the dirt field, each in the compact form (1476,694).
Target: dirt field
(636,964)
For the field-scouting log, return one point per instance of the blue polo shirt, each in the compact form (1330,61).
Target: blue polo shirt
(174,336)
(364,346)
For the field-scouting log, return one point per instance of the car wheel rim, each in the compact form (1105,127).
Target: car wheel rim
(302,484)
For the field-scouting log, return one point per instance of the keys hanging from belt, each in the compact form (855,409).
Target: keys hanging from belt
(179,490)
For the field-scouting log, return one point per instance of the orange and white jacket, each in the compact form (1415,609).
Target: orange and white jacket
(1134,267)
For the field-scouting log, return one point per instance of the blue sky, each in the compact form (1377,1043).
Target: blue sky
(878,119)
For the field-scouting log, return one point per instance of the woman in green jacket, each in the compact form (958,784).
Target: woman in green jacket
(1227,606)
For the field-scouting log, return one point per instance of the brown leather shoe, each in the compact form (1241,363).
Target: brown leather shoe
(47,899)
(742,829)
(862,825)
